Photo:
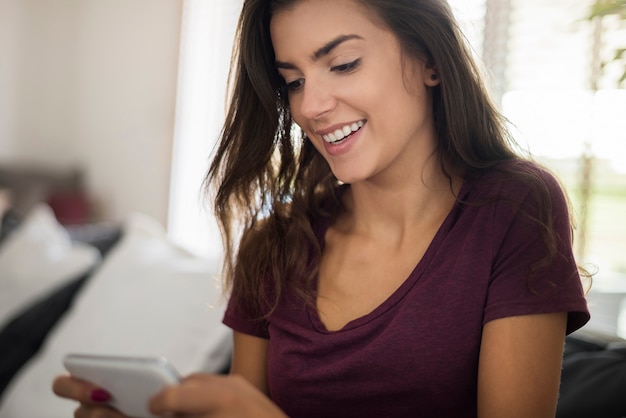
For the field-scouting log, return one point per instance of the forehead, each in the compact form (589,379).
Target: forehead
(307,24)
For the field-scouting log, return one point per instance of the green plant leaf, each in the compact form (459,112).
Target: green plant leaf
(608,7)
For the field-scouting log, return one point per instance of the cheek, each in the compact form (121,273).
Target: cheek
(318,146)
(294,110)
(301,122)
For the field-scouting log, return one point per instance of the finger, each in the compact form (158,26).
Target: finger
(71,388)
(90,411)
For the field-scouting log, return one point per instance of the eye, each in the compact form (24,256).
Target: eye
(346,68)
(295,85)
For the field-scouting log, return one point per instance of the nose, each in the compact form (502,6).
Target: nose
(317,99)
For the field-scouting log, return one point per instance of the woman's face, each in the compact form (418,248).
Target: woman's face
(365,112)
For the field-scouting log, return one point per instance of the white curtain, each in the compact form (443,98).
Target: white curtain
(207,33)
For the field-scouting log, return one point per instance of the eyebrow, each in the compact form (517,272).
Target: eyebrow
(321,52)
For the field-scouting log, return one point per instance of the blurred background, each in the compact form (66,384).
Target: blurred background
(126,98)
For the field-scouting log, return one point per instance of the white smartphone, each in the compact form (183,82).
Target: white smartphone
(131,381)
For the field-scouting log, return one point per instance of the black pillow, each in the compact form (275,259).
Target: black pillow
(22,337)
(593,380)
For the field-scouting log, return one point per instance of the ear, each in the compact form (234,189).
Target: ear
(431,76)
(429,72)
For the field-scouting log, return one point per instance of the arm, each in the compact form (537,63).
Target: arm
(520,366)
(250,359)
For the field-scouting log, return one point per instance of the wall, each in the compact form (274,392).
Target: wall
(8,72)
(91,84)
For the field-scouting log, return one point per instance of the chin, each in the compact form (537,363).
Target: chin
(350,172)
(347,178)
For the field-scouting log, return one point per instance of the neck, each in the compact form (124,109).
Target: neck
(402,205)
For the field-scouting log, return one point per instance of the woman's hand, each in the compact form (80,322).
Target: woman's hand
(205,395)
(90,397)
(199,395)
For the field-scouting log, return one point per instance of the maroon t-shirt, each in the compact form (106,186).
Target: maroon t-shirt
(416,355)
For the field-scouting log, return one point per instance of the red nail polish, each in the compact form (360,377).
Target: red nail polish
(99,395)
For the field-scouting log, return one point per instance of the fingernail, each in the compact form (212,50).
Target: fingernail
(99,395)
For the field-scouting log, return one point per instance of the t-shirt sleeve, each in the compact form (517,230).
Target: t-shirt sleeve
(239,319)
(521,282)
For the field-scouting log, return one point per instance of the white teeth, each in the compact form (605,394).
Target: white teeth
(340,134)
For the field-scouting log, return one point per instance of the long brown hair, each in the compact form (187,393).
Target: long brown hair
(269,182)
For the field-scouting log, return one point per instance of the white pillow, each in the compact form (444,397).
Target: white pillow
(38,257)
(148,298)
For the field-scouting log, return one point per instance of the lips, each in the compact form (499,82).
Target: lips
(341,133)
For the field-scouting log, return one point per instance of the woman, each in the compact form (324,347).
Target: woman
(396,259)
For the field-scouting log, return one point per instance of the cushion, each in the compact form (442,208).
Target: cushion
(148,298)
(23,336)
(593,379)
(37,258)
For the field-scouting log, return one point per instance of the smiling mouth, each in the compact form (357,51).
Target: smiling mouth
(340,134)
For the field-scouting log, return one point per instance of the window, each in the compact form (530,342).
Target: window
(545,62)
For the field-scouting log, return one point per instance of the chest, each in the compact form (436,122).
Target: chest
(357,275)
(417,351)
(410,344)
